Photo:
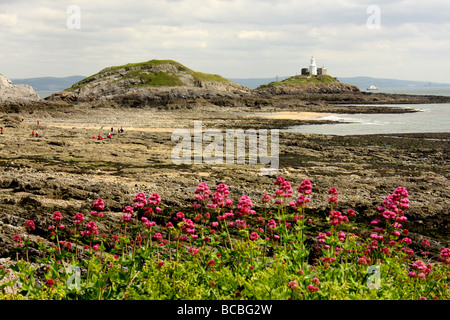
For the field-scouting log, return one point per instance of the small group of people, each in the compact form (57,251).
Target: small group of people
(35,133)
(100,137)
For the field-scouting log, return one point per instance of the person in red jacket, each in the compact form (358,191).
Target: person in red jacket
(1,130)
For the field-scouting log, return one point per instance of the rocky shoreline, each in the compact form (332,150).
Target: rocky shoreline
(65,169)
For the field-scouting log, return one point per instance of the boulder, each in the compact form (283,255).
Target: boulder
(16,93)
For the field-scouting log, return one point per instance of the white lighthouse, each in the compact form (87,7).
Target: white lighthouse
(313,67)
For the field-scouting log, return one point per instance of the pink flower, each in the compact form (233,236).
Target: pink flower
(126,218)
(332,191)
(321,237)
(30,225)
(78,218)
(332,199)
(128,209)
(271,224)
(99,205)
(202,192)
(265,198)
(157,236)
(179,216)
(149,224)
(302,200)
(445,253)
(312,288)
(91,229)
(154,199)
(254,236)
(57,216)
(407,240)
(425,243)
(279,180)
(49,283)
(293,285)
(305,187)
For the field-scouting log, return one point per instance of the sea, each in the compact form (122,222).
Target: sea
(430,118)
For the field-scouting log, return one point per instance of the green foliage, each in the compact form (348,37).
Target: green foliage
(140,71)
(153,262)
(300,80)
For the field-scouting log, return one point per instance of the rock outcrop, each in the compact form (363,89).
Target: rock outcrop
(154,82)
(10,93)
(301,84)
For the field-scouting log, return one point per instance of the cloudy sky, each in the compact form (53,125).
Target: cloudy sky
(234,38)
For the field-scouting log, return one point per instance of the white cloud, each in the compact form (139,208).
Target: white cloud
(235,38)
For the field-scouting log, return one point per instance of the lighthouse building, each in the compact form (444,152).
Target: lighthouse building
(313,70)
(313,67)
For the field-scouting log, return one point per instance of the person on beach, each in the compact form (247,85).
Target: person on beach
(36,134)
(1,130)
(32,133)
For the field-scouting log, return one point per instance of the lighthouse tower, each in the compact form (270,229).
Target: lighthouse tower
(313,67)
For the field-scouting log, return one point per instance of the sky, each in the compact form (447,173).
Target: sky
(406,40)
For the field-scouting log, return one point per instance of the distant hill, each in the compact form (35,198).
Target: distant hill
(306,84)
(147,83)
(361,82)
(364,82)
(52,84)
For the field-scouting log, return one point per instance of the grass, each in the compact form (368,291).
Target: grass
(148,78)
(300,80)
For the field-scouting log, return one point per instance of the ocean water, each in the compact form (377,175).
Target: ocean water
(44,94)
(430,118)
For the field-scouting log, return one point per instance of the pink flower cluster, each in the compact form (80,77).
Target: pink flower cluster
(332,198)
(284,191)
(244,206)
(220,197)
(140,200)
(445,255)
(202,192)
(394,204)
